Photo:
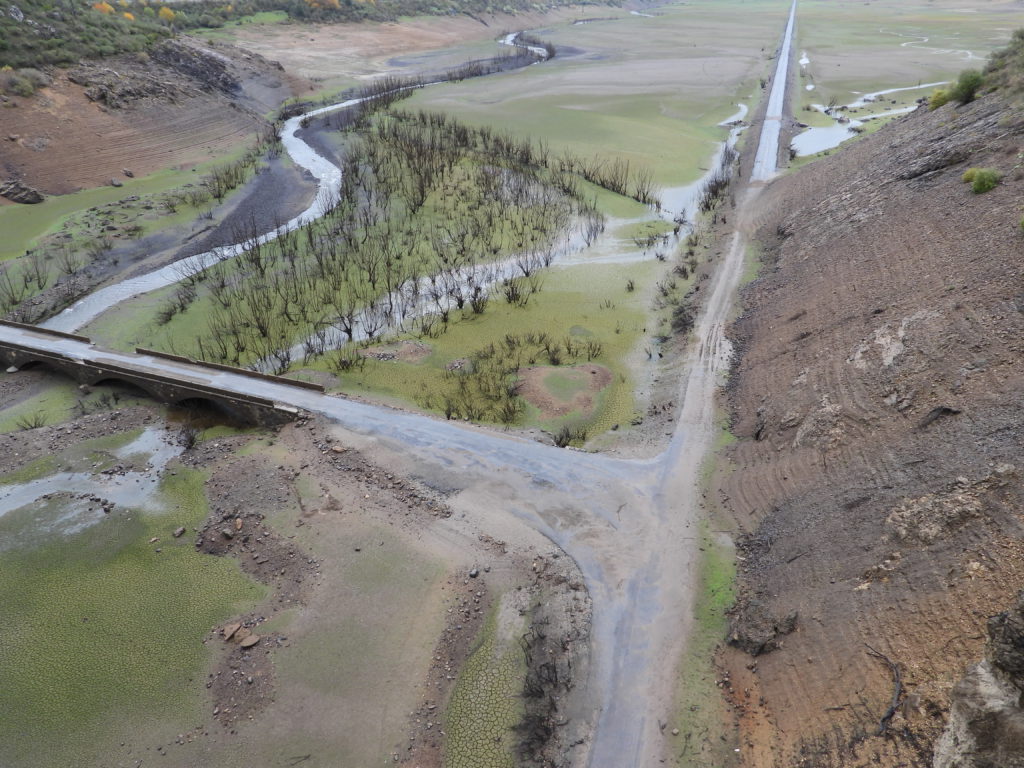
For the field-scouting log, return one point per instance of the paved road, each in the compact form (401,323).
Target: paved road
(767,156)
(629,524)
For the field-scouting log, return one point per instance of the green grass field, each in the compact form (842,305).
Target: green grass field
(862,48)
(570,304)
(650,91)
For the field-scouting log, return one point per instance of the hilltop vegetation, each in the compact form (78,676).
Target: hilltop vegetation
(39,32)
(1005,69)
(46,32)
(1003,72)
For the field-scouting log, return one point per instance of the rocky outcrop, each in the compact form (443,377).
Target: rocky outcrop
(986,722)
(174,70)
(211,69)
(120,88)
(20,193)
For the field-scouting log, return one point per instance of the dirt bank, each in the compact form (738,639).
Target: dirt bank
(876,395)
(142,113)
(324,52)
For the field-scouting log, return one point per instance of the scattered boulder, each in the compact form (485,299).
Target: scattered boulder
(179,532)
(754,630)
(19,192)
(128,173)
(250,641)
(116,183)
(986,720)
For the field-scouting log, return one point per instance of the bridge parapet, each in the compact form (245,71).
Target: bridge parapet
(91,366)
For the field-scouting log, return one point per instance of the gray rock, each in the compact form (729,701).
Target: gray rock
(20,193)
(753,629)
(986,719)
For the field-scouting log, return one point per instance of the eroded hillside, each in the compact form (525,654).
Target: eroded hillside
(877,395)
(179,105)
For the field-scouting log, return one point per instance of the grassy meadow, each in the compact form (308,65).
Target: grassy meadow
(857,48)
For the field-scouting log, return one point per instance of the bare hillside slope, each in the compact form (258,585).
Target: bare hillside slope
(878,396)
(183,103)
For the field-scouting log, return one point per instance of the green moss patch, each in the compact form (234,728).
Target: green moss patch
(100,631)
(587,303)
(485,705)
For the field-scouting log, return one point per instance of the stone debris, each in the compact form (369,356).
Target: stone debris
(20,192)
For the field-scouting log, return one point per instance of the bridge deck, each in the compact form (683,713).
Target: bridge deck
(175,377)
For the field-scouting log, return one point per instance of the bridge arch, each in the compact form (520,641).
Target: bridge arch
(33,364)
(207,408)
(123,383)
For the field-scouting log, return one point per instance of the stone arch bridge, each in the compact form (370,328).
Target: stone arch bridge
(170,379)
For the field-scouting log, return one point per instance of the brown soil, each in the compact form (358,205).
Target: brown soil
(877,395)
(323,51)
(403,351)
(61,141)
(534,390)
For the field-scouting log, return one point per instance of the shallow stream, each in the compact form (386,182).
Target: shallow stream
(64,503)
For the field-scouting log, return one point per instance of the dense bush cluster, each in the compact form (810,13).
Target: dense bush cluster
(963,91)
(982,180)
(486,386)
(1005,68)
(35,33)
(22,82)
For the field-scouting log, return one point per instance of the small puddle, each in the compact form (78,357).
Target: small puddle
(66,503)
(817,139)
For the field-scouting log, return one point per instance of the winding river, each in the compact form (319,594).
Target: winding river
(630,525)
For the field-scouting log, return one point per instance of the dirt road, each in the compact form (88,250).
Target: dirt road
(626,523)
(629,524)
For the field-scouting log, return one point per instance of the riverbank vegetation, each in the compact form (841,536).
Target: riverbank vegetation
(434,219)
(426,211)
(63,248)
